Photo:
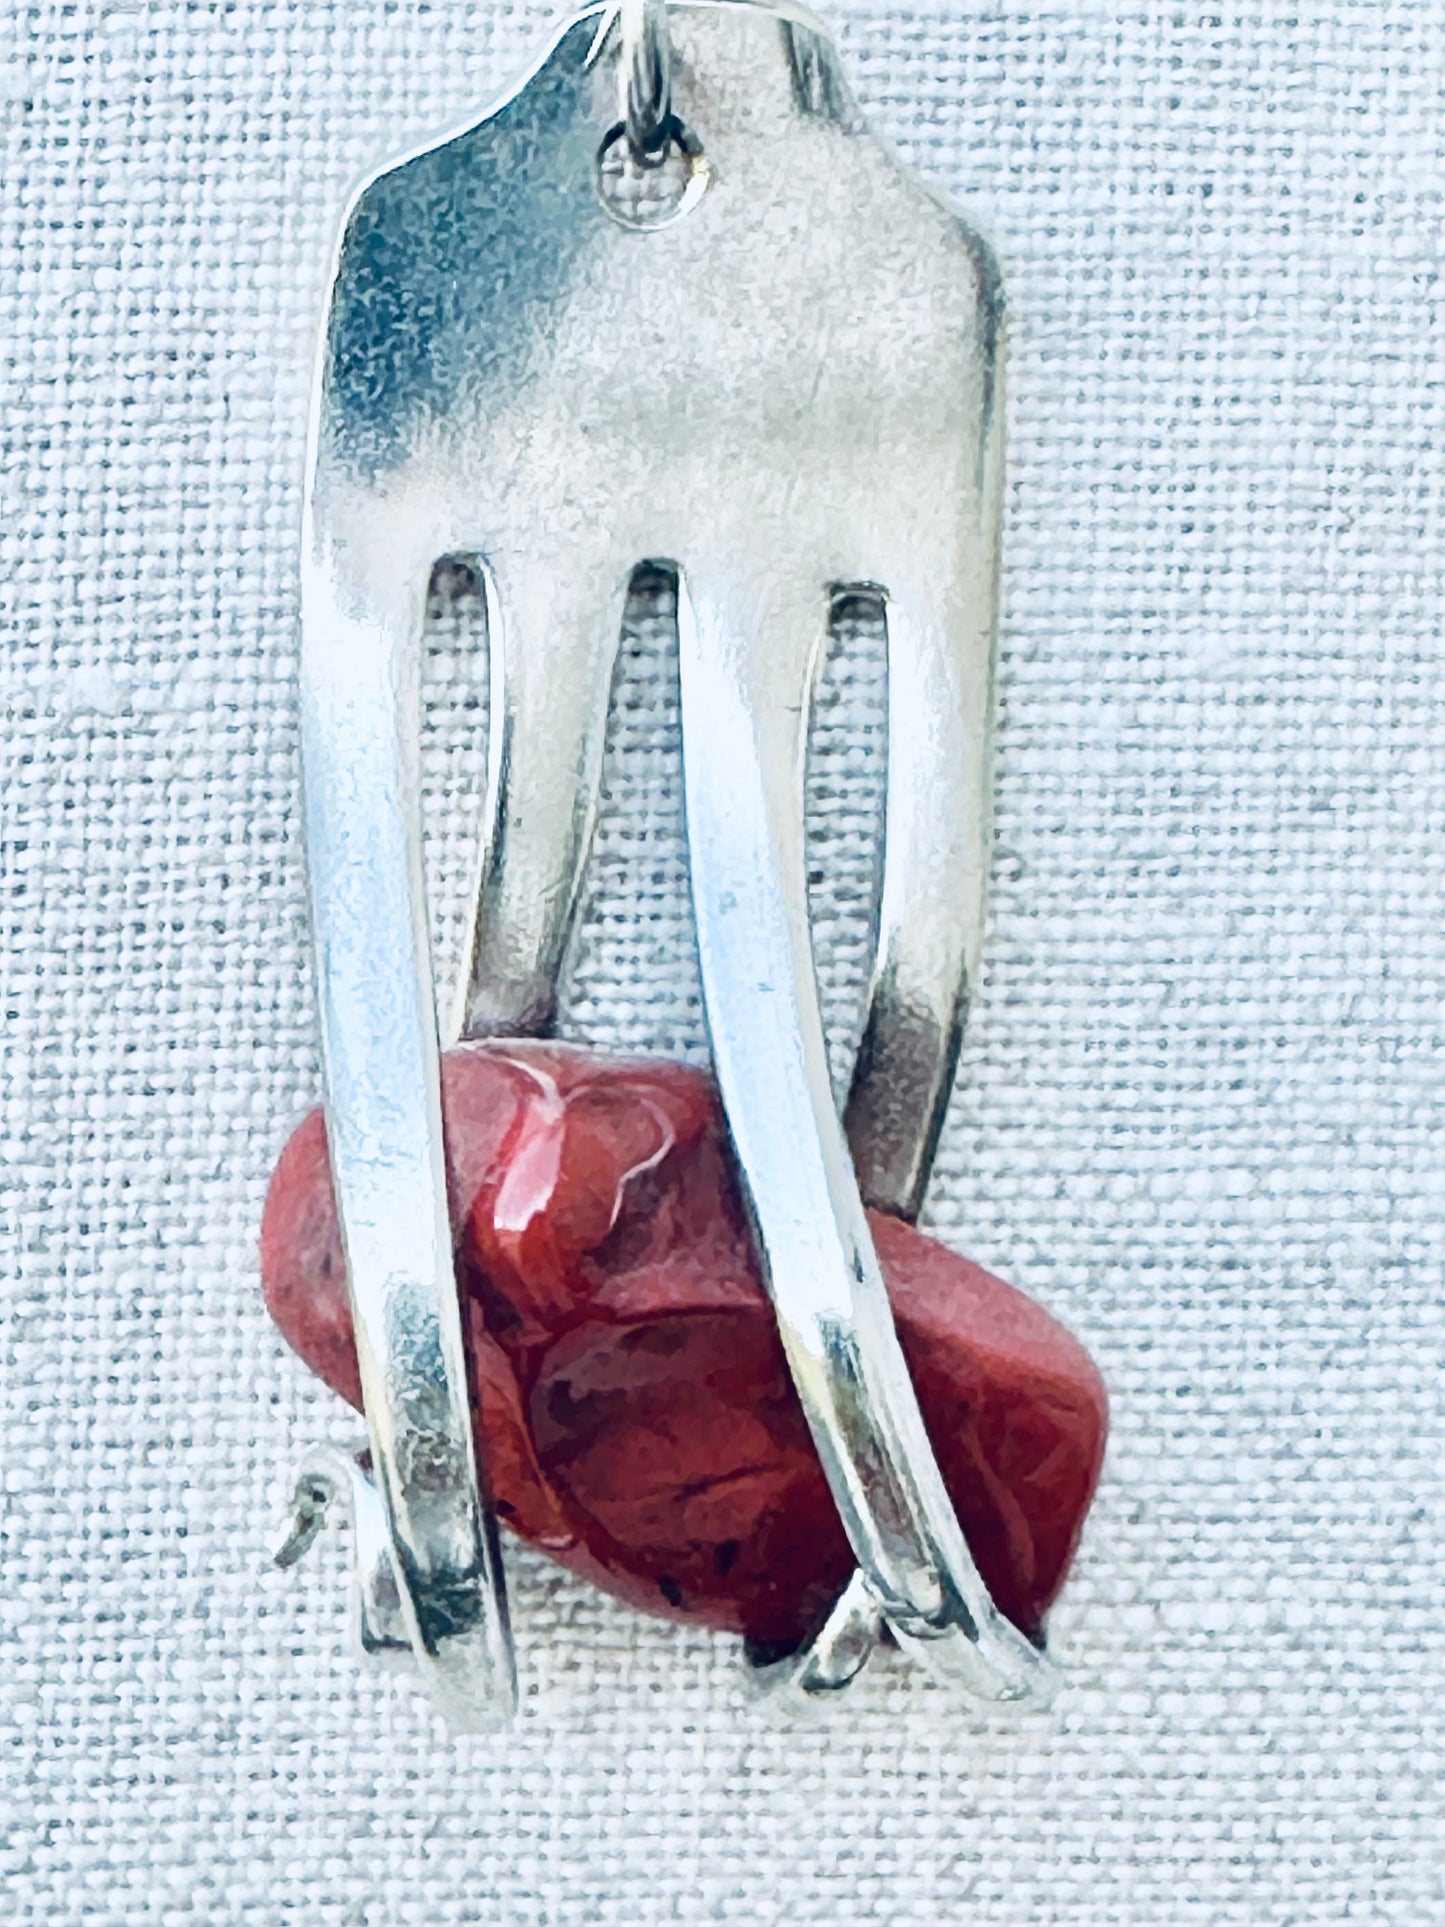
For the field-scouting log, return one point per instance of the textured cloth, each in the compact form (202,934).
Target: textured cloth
(1198,1113)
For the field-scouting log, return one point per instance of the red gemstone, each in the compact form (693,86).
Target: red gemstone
(633,1410)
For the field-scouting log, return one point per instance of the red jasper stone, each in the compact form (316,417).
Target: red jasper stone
(633,1411)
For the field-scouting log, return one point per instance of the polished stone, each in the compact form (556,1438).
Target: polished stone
(634,1415)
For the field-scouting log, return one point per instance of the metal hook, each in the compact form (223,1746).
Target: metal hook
(646,74)
(329,1474)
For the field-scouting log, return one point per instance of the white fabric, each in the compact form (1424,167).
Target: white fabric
(1199,1114)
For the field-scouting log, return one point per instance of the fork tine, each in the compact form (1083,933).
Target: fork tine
(554,626)
(359,725)
(741,760)
(747,650)
(941,617)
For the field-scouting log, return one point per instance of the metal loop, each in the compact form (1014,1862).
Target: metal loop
(328,1474)
(646,76)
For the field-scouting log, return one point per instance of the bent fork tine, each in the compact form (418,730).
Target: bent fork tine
(554,628)
(747,652)
(941,614)
(359,727)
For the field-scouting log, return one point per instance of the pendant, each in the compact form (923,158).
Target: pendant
(671,306)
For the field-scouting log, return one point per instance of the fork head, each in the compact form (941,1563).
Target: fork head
(746,346)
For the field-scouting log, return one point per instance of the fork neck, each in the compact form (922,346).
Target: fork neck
(646,76)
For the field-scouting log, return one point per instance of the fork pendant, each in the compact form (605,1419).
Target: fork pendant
(668,304)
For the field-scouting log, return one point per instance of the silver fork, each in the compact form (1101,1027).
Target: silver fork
(668,304)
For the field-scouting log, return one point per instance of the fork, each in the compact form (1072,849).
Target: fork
(668,305)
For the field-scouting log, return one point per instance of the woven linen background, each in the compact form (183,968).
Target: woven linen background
(1198,1114)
